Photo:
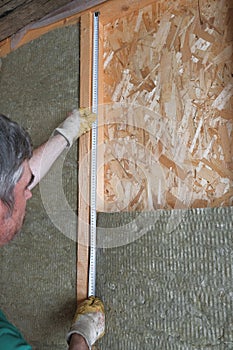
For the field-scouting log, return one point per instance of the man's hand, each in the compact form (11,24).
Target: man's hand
(89,321)
(77,123)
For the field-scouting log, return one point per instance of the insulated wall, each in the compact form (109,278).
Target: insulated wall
(39,85)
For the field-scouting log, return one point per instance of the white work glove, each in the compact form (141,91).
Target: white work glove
(76,124)
(89,321)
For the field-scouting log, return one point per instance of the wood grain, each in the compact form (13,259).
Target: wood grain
(84,160)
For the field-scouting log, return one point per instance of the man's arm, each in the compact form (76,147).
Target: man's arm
(76,124)
(44,156)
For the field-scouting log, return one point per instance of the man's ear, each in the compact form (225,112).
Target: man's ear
(2,222)
(1,206)
(4,211)
(2,217)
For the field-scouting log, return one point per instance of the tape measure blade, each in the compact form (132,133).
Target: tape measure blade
(95,68)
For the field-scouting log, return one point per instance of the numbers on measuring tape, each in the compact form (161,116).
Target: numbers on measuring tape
(95,75)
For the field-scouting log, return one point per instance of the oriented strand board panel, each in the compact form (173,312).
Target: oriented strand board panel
(168,90)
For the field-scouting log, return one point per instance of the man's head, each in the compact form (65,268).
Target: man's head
(15,176)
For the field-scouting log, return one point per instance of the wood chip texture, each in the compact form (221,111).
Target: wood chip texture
(168,107)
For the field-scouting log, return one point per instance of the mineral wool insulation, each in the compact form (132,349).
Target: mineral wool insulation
(171,287)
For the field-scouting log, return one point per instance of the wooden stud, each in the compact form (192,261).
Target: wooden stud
(84,160)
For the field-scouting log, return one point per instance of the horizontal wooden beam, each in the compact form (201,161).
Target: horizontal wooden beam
(16,14)
(109,10)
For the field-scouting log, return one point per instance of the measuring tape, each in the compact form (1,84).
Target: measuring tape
(94,141)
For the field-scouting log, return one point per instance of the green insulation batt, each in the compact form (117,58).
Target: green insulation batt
(172,287)
(39,85)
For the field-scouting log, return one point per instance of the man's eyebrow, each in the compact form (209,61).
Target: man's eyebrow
(31,180)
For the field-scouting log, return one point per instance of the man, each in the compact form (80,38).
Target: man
(21,169)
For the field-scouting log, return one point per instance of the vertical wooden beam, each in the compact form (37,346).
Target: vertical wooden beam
(84,159)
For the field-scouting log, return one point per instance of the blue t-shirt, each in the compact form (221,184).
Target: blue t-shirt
(10,337)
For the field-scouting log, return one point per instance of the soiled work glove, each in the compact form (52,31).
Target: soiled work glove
(89,321)
(76,124)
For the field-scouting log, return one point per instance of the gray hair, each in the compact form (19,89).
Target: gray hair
(15,148)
